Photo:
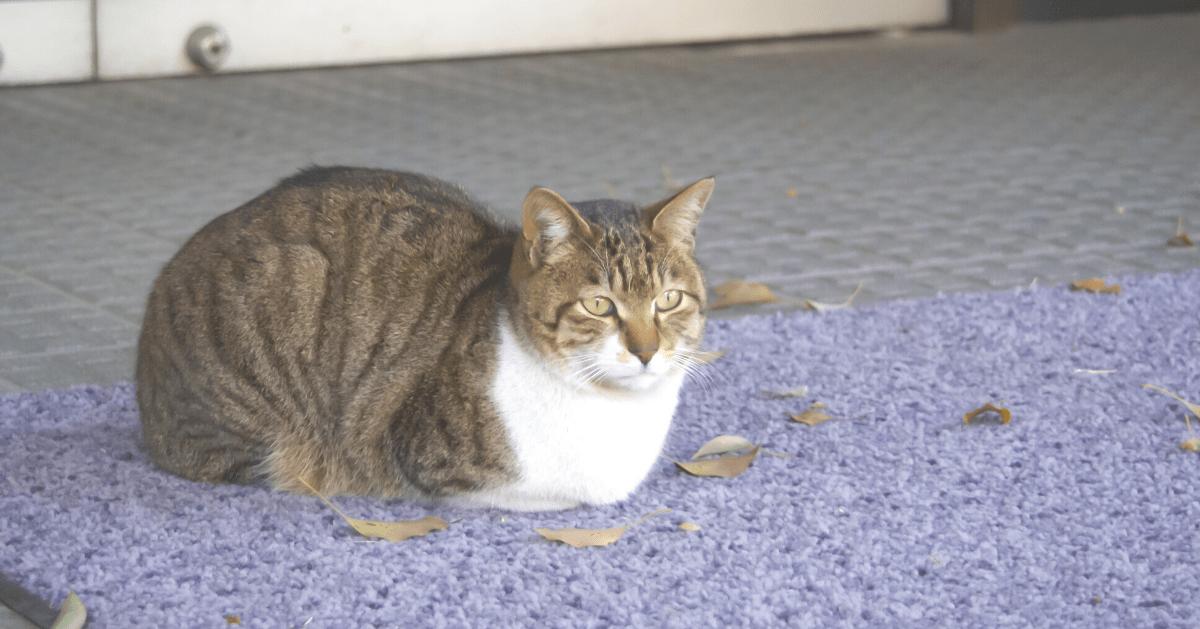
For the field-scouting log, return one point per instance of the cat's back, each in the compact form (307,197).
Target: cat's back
(320,205)
(317,309)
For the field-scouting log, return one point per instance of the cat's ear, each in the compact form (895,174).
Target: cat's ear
(674,219)
(548,221)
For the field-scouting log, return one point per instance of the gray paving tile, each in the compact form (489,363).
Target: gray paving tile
(37,372)
(939,162)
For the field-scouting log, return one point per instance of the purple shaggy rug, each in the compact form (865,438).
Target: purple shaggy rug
(1082,512)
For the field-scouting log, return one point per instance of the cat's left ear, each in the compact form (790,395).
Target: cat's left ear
(674,219)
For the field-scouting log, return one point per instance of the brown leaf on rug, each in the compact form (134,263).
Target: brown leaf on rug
(1004,414)
(583,538)
(812,415)
(1096,285)
(727,463)
(397,531)
(738,293)
(1181,238)
(792,193)
(586,538)
(721,467)
(72,614)
(723,444)
(1191,406)
(689,527)
(1192,443)
(379,529)
(818,306)
(233,619)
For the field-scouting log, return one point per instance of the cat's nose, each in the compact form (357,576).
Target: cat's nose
(644,355)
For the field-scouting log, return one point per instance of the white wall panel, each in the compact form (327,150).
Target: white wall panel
(147,37)
(45,41)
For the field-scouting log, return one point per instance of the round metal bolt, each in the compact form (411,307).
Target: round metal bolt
(208,47)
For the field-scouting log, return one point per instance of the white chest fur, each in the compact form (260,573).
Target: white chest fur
(573,446)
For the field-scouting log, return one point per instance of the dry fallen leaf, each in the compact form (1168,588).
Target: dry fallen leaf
(812,415)
(1004,413)
(824,307)
(793,193)
(379,529)
(800,391)
(233,619)
(396,531)
(1191,444)
(1096,285)
(720,467)
(723,466)
(737,292)
(72,614)
(1194,408)
(690,527)
(723,444)
(1181,238)
(585,538)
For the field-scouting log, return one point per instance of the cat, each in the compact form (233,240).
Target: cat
(377,333)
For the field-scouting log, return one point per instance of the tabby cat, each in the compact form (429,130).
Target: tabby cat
(375,332)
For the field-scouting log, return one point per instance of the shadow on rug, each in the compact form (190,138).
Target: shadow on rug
(1082,511)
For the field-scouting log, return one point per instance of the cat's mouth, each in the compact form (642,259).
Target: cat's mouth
(614,369)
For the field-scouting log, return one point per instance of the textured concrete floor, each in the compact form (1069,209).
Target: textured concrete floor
(936,162)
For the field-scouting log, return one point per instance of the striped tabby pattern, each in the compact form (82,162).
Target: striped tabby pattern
(343,328)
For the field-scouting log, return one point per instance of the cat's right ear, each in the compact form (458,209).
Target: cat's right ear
(547,222)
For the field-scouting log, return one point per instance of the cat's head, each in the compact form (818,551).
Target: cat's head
(609,294)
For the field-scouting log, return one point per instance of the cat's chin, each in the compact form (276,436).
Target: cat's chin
(635,382)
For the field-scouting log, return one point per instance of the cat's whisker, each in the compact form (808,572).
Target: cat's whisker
(587,372)
(694,369)
(570,363)
(591,372)
(582,371)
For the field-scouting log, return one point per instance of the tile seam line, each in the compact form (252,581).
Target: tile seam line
(69,295)
(934,264)
(62,353)
(106,216)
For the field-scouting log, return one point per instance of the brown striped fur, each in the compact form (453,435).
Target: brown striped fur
(342,327)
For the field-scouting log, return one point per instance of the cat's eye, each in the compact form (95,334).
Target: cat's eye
(599,306)
(668,300)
